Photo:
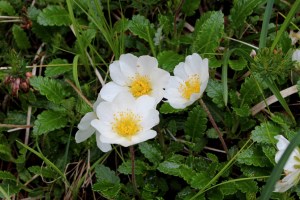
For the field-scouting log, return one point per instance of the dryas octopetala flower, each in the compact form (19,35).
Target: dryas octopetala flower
(126,120)
(291,168)
(85,130)
(137,75)
(188,83)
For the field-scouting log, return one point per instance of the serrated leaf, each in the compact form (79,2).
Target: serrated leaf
(215,92)
(270,152)
(170,168)
(243,111)
(151,151)
(139,25)
(6,7)
(166,108)
(228,189)
(85,39)
(208,32)
(195,125)
(215,194)
(54,16)
(283,120)
(48,121)
(52,89)
(249,90)
(169,59)
(247,186)
(20,37)
(265,133)
(5,175)
(200,180)
(253,156)
(140,167)
(57,67)
(189,7)
(237,65)
(103,173)
(5,153)
(241,10)
(45,172)
(107,189)
(251,171)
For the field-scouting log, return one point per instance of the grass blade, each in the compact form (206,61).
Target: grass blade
(265,25)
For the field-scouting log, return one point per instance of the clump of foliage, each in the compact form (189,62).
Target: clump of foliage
(54,61)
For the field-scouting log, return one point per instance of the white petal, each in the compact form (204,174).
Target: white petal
(194,61)
(174,82)
(105,147)
(175,99)
(128,65)
(150,120)
(111,90)
(116,140)
(146,64)
(116,74)
(97,102)
(159,78)
(82,135)
(85,122)
(145,103)
(105,111)
(203,87)
(103,128)
(143,136)
(296,55)
(287,182)
(204,72)
(180,72)
(124,100)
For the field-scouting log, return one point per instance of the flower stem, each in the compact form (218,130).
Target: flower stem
(212,121)
(131,148)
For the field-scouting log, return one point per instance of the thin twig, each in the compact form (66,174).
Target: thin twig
(79,93)
(131,148)
(211,119)
(14,126)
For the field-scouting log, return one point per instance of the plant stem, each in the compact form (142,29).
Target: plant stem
(131,148)
(211,119)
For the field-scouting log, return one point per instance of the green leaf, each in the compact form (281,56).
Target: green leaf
(5,175)
(20,37)
(195,125)
(5,153)
(151,151)
(54,16)
(215,92)
(265,133)
(169,59)
(241,10)
(228,189)
(107,189)
(208,32)
(237,65)
(166,108)
(270,152)
(243,111)
(200,180)
(139,168)
(45,172)
(253,156)
(247,186)
(170,168)
(138,26)
(57,67)
(6,8)
(103,173)
(249,90)
(48,121)
(189,7)
(52,89)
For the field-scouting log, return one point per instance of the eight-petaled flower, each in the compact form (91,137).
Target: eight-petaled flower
(126,120)
(137,75)
(188,83)
(291,168)
(85,130)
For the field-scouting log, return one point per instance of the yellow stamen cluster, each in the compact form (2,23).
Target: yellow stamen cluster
(190,86)
(140,85)
(126,124)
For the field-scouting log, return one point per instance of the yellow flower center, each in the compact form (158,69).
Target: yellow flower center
(189,87)
(126,124)
(140,85)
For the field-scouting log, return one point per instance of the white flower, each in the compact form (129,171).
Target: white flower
(85,130)
(137,75)
(126,120)
(188,83)
(291,168)
(296,55)
(294,36)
